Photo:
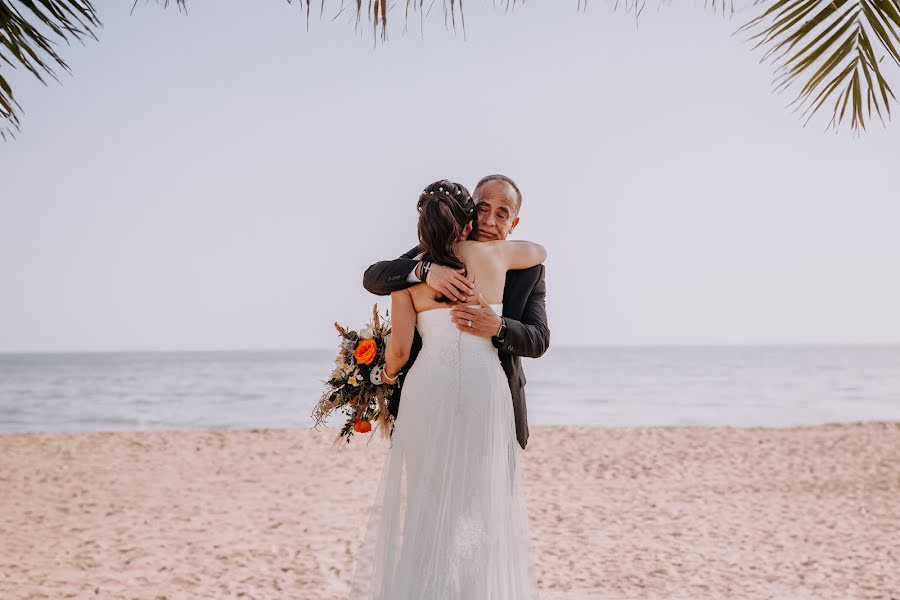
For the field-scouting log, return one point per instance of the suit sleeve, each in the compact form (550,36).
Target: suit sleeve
(388,276)
(529,337)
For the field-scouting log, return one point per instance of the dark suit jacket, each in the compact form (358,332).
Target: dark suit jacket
(527,333)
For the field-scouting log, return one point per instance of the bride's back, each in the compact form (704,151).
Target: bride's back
(486,265)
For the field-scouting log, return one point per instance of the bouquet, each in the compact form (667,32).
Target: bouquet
(355,387)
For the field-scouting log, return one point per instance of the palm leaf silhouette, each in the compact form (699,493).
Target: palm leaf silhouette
(832,51)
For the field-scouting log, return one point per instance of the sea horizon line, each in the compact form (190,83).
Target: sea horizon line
(612,346)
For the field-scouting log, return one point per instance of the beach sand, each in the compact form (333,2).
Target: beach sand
(643,513)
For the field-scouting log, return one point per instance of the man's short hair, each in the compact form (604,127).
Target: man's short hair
(507,181)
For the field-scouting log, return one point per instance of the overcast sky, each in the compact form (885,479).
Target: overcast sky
(222,179)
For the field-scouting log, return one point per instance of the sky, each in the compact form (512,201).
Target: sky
(221,179)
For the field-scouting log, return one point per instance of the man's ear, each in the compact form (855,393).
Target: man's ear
(514,223)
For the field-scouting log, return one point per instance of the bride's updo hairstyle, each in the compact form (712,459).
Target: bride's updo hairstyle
(445,208)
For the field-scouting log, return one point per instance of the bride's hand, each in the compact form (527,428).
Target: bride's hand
(450,282)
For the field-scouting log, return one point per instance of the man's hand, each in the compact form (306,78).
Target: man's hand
(483,322)
(451,283)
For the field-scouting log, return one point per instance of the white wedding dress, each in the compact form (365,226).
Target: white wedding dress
(449,520)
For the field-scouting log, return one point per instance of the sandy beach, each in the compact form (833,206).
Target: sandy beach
(615,513)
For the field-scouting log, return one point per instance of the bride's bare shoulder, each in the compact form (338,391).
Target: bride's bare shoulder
(479,248)
(501,246)
(515,254)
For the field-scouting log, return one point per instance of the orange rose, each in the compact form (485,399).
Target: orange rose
(362,426)
(366,352)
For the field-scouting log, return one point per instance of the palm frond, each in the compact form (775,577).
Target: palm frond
(833,51)
(29,31)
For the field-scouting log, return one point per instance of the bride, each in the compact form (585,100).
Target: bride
(449,519)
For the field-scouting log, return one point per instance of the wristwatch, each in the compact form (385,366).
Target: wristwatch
(502,332)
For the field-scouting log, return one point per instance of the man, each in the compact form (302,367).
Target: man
(522,328)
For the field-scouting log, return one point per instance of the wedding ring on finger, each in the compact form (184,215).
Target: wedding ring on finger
(470,323)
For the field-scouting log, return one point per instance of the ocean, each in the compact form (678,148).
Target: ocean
(774,386)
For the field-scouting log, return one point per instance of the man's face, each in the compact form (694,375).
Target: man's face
(497,213)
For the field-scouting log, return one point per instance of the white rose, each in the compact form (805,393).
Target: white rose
(375,375)
(366,333)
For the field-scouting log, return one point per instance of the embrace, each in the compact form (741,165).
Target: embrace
(449,520)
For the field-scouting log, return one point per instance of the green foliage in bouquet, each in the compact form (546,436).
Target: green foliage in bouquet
(354,387)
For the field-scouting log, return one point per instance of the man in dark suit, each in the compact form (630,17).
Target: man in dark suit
(522,328)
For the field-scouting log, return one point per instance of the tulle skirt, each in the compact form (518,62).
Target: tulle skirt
(449,519)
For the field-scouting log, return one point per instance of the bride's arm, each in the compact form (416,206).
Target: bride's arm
(403,326)
(520,254)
